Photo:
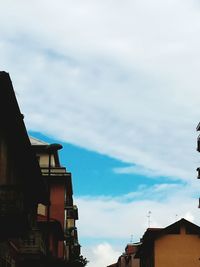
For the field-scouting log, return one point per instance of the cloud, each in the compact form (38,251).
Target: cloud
(147,172)
(124,87)
(101,255)
(120,78)
(128,85)
(126,215)
(105,219)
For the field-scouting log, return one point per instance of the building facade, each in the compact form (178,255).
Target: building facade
(61,206)
(37,212)
(176,245)
(128,259)
(22,186)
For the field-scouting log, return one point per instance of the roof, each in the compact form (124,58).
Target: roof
(131,248)
(36,142)
(39,146)
(153,233)
(135,244)
(112,265)
(172,228)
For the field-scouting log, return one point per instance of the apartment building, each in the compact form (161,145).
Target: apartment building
(175,245)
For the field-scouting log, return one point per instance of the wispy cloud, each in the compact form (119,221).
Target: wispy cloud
(120,78)
(117,219)
(151,173)
(129,212)
(128,85)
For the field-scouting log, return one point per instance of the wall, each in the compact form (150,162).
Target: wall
(57,206)
(177,250)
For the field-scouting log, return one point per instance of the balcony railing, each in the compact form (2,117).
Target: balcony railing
(72,212)
(71,235)
(198,143)
(76,249)
(11,201)
(198,173)
(54,171)
(34,244)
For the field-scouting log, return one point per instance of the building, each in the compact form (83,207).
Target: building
(130,252)
(22,186)
(128,259)
(61,206)
(37,213)
(198,149)
(175,245)
(73,248)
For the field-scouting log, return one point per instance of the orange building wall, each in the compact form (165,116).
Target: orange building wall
(57,198)
(181,250)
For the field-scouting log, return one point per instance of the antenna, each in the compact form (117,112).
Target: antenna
(149,218)
(131,241)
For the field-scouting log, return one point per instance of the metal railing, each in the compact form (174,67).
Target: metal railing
(11,200)
(33,244)
(54,171)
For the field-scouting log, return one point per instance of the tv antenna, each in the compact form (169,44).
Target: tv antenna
(149,218)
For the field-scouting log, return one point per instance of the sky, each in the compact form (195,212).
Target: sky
(117,84)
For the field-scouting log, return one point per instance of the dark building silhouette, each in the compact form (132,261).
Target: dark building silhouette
(36,199)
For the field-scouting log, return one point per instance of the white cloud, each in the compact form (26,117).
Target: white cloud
(101,255)
(123,216)
(121,78)
(124,75)
(117,219)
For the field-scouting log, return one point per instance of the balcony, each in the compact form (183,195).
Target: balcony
(33,245)
(70,235)
(198,143)
(76,249)
(198,173)
(11,201)
(14,219)
(72,212)
(54,171)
